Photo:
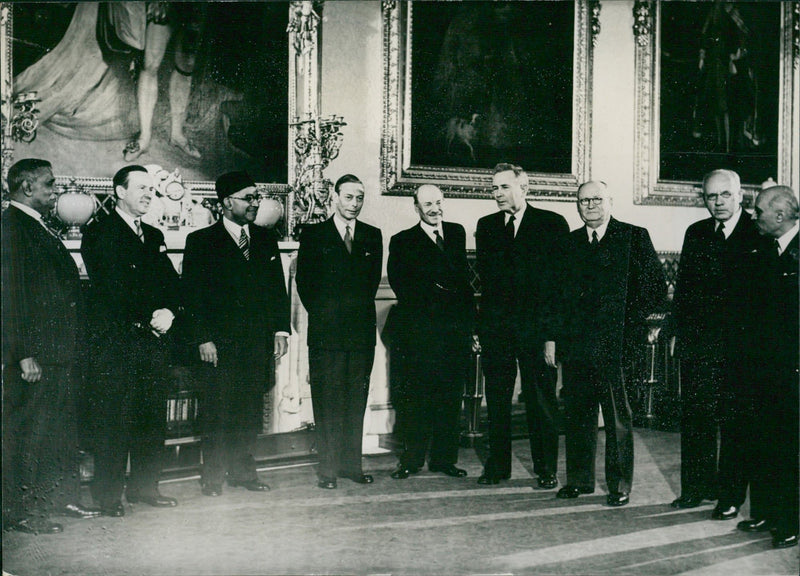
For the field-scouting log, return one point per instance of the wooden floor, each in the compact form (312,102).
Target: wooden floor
(427,524)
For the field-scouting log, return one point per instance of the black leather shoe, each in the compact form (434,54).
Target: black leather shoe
(448,470)
(488,478)
(116,510)
(359,478)
(209,489)
(781,541)
(724,512)
(403,472)
(572,492)
(327,483)
(78,511)
(617,499)
(687,501)
(35,526)
(252,485)
(754,525)
(547,482)
(156,500)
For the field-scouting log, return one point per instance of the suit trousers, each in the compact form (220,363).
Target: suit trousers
(434,386)
(739,446)
(585,387)
(131,406)
(231,397)
(339,387)
(40,447)
(701,379)
(541,408)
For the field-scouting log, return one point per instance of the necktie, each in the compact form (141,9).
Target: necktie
(348,240)
(439,240)
(139,232)
(244,245)
(719,233)
(510,228)
(776,246)
(595,241)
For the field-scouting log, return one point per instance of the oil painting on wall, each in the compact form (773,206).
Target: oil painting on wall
(200,85)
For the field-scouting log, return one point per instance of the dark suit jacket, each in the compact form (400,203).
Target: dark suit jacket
(606,293)
(435,303)
(703,302)
(230,299)
(42,305)
(515,283)
(130,280)
(767,335)
(338,288)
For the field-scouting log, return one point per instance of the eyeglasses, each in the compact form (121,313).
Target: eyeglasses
(586,202)
(250,198)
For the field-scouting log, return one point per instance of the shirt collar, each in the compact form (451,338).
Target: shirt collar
(518,216)
(730,223)
(28,210)
(787,237)
(601,231)
(431,230)
(234,229)
(341,224)
(128,219)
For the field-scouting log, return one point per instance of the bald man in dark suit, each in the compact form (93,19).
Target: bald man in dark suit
(611,280)
(428,272)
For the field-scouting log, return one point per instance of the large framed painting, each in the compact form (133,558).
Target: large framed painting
(471,84)
(716,87)
(200,86)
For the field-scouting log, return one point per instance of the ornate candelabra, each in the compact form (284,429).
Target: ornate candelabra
(316,143)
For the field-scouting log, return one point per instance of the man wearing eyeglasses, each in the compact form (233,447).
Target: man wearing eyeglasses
(702,306)
(609,282)
(516,257)
(239,310)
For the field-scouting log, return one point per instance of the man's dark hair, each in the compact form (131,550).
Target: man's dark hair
(123,175)
(344,180)
(506,167)
(24,170)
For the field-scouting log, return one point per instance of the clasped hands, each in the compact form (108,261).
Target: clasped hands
(208,350)
(161,321)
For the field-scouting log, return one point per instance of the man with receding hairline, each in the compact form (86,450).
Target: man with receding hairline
(428,272)
(702,304)
(134,301)
(609,282)
(516,252)
(767,339)
(43,337)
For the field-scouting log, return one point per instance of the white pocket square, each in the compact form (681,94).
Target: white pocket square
(273,258)
(162,248)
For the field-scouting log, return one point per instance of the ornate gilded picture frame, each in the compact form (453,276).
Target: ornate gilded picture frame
(470,84)
(717,86)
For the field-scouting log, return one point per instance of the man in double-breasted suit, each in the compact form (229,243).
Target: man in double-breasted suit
(239,312)
(516,257)
(338,271)
(135,298)
(42,341)
(767,339)
(611,280)
(711,250)
(428,272)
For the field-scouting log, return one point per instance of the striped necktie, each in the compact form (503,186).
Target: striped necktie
(139,231)
(348,240)
(244,245)
(439,240)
